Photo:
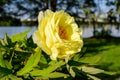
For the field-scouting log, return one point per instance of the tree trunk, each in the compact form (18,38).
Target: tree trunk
(47,4)
(94,27)
(119,22)
(53,5)
(119,18)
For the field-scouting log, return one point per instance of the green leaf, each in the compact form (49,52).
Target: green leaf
(2,62)
(2,43)
(93,77)
(20,36)
(71,71)
(37,72)
(12,77)
(54,65)
(43,59)
(75,63)
(41,73)
(109,73)
(8,65)
(7,40)
(76,57)
(91,70)
(56,75)
(43,62)
(31,63)
(4,72)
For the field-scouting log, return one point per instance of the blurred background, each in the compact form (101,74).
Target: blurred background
(93,16)
(98,19)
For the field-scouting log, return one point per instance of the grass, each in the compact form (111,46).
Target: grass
(103,53)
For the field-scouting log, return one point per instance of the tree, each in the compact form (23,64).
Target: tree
(2,2)
(115,3)
(118,8)
(89,11)
(32,7)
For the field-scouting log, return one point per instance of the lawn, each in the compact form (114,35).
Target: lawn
(104,53)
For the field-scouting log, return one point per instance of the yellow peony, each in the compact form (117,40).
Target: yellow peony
(58,35)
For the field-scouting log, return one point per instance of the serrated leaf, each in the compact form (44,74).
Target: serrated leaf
(4,72)
(20,36)
(31,63)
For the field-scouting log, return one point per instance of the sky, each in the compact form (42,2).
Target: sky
(104,7)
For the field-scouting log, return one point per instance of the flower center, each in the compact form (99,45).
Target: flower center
(62,33)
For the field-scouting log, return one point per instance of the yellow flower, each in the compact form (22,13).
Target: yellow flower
(58,35)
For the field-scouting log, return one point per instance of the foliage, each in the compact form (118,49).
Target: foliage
(9,21)
(2,2)
(21,60)
(32,7)
(29,23)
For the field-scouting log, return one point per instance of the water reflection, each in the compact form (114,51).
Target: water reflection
(113,30)
(87,31)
